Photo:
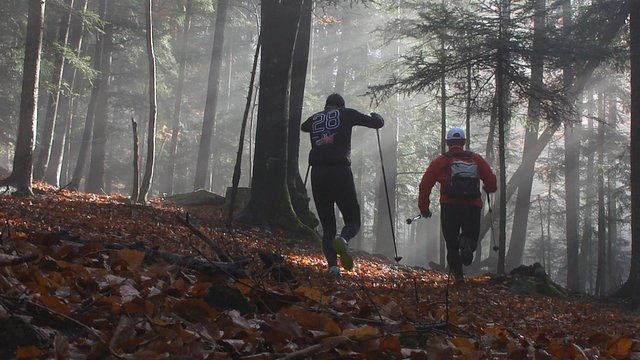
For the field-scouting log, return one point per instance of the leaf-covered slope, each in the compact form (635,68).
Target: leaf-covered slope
(86,276)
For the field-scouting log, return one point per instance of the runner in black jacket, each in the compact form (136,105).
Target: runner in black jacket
(331,177)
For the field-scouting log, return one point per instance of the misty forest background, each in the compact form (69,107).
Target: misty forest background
(217,91)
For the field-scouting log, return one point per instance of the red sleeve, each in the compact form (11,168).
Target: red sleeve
(486,174)
(426,184)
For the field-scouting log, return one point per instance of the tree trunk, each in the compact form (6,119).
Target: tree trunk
(21,174)
(631,286)
(153,109)
(571,166)
(54,95)
(85,143)
(297,190)
(612,216)
(583,75)
(54,165)
(213,87)
(502,94)
(95,179)
(443,126)
(270,204)
(177,107)
(135,188)
(602,227)
(237,170)
(590,194)
(523,200)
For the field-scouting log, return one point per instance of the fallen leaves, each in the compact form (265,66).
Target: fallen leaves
(97,300)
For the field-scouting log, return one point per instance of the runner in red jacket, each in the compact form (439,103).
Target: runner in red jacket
(459,214)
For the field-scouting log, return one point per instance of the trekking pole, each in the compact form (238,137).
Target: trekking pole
(493,237)
(386,191)
(307,175)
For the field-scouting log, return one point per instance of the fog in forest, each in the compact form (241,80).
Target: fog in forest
(408,62)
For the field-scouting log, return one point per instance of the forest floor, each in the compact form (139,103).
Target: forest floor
(84,276)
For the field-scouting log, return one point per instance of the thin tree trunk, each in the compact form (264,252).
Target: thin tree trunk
(153,109)
(612,216)
(64,114)
(135,188)
(443,126)
(590,194)
(602,227)
(177,107)
(502,102)
(96,178)
(21,174)
(54,96)
(523,200)
(572,166)
(213,88)
(237,170)
(631,286)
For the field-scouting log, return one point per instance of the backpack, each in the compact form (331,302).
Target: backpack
(461,176)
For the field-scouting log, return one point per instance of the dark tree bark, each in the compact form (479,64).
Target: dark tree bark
(177,107)
(54,96)
(590,194)
(237,170)
(21,174)
(297,190)
(270,204)
(153,109)
(601,275)
(631,286)
(96,177)
(571,168)
(502,95)
(135,188)
(523,200)
(54,165)
(213,88)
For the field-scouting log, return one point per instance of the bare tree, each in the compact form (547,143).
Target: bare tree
(153,109)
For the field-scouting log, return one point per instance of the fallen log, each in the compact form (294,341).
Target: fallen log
(8,260)
(201,264)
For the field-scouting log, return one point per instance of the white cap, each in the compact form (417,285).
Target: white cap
(455,134)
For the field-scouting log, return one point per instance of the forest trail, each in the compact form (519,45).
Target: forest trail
(97,285)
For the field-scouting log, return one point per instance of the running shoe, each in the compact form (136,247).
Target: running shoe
(340,247)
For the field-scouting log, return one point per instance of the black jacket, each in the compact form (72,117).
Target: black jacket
(330,133)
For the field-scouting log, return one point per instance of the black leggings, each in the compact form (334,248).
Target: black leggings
(456,219)
(333,185)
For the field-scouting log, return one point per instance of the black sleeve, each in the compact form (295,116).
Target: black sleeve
(375,122)
(306,126)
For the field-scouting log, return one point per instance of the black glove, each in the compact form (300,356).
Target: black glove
(426,213)
(377,116)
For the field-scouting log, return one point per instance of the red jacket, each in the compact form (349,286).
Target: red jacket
(436,172)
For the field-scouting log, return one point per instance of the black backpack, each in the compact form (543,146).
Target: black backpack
(461,176)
